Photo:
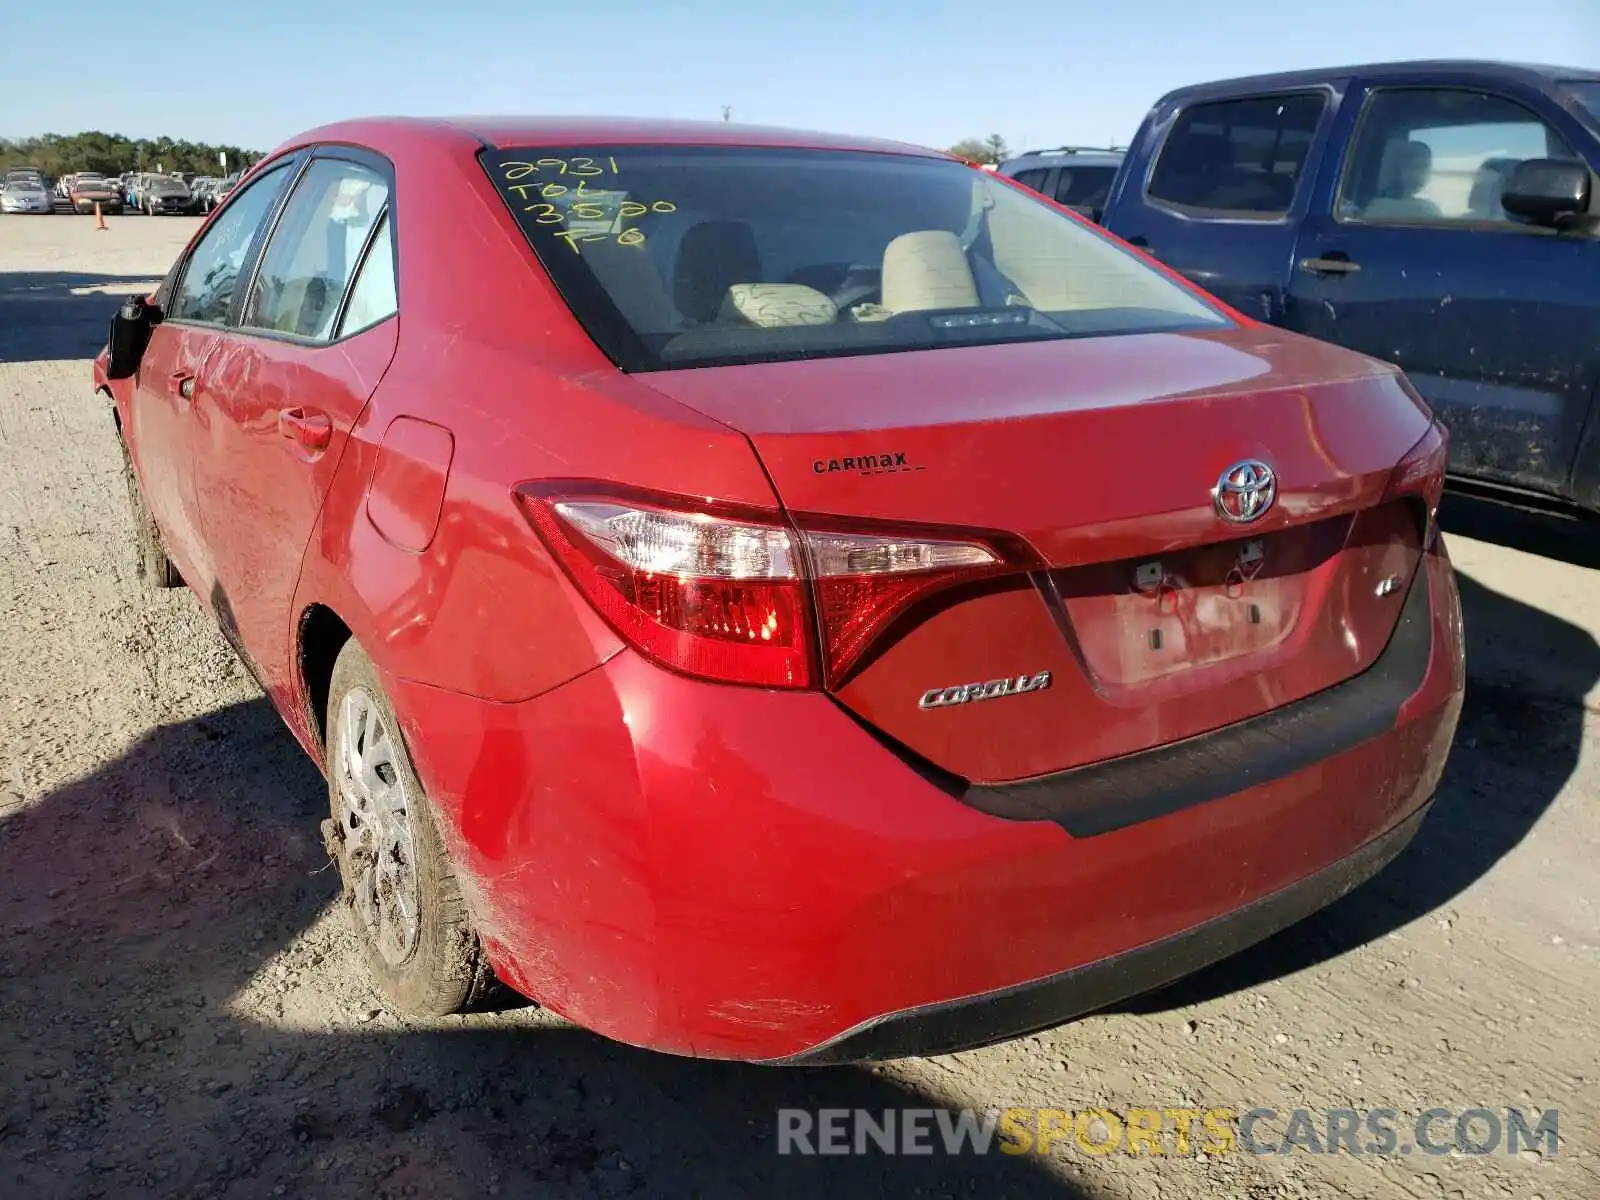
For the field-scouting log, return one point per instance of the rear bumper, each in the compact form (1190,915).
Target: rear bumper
(733,873)
(974,1021)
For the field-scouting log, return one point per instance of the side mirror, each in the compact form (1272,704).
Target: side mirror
(130,334)
(1546,190)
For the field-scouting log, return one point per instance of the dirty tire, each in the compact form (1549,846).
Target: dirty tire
(446,971)
(150,556)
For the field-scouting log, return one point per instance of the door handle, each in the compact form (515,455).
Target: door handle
(181,384)
(309,428)
(1332,264)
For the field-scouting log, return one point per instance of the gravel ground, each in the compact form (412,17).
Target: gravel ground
(182,1013)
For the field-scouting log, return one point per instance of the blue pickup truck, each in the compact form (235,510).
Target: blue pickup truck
(1442,215)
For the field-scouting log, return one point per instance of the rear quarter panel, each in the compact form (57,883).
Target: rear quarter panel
(501,364)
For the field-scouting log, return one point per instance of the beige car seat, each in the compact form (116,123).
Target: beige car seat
(1404,172)
(926,270)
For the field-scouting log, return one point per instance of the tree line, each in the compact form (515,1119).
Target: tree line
(992,149)
(57,154)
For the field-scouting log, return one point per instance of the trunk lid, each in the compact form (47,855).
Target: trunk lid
(1155,618)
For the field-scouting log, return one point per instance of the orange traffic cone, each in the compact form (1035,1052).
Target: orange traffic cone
(99,217)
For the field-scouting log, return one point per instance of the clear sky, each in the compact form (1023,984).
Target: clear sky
(1037,72)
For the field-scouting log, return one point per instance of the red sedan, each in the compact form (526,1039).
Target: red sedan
(786,597)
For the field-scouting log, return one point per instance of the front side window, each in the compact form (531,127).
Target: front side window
(315,249)
(205,293)
(1238,157)
(1439,154)
(694,256)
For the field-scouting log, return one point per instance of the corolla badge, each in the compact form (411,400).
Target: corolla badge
(1245,492)
(994,689)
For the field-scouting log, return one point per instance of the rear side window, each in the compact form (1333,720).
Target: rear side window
(1238,157)
(315,249)
(1085,187)
(679,256)
(372,299)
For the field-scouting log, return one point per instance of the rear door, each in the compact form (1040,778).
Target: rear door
(1408,255)
(195,303)
(314,335)
(1222,193)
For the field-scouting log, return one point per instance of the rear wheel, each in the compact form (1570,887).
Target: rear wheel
(399,884)
(150,556)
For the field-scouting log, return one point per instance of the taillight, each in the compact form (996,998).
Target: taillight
(864,582)
(1420,473)
(738,595)
(707,594)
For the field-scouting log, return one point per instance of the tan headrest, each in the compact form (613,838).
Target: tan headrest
(927,269)
(776,305)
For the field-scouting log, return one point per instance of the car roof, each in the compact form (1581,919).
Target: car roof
(1534,73)
(506,131)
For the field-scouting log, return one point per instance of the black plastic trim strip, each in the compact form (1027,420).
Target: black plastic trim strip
(1119,792)
(982,1020)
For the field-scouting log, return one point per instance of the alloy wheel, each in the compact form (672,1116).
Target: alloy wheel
(375,819)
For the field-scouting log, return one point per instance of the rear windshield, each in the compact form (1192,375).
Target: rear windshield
(695,256)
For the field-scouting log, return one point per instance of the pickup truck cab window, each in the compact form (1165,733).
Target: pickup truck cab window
(1238,157)
(1439,154)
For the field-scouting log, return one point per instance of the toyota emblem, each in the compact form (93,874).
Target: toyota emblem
(1245,492)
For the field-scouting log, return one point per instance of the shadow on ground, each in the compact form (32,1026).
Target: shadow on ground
(137,901)
(1564,537)
(60,314)
(1521,732)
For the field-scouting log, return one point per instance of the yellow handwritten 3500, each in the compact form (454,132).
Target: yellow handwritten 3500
(583,169)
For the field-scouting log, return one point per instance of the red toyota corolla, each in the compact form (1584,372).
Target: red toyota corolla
(785,597)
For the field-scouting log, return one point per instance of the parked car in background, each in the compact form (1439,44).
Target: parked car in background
(220,190)
(87,190)
(1444,216)
(1079,177)
(205,190)
(26,196)
(160,194)
(762,559)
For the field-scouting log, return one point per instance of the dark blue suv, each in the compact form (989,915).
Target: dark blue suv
(1442,215)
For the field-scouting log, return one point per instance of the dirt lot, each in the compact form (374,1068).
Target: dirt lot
(180,1013)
